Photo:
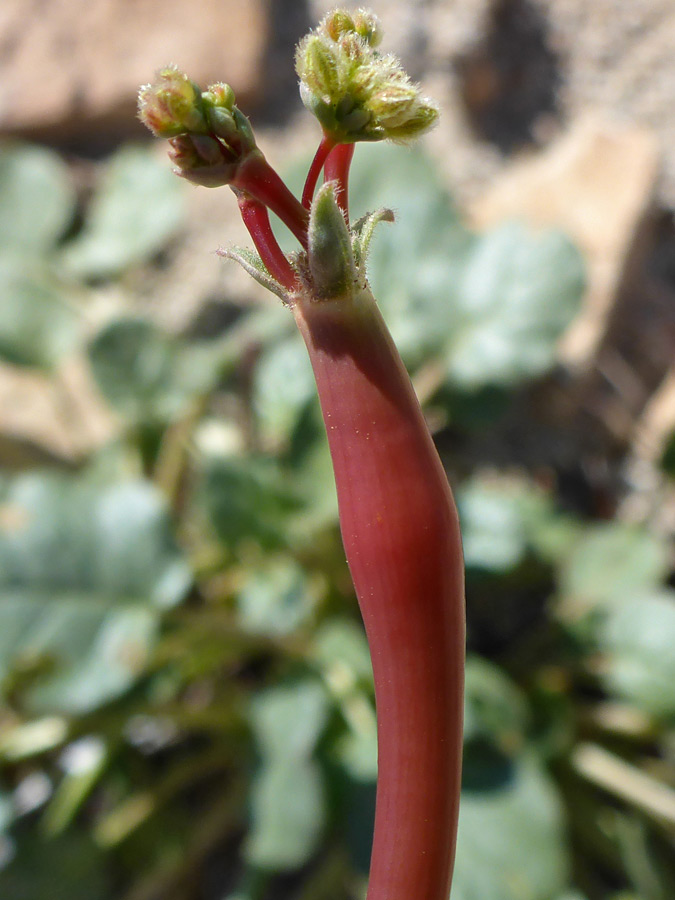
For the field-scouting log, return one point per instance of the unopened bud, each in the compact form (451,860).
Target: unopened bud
(222,122)
(318,68)
(356,93)
(171,105)
(394,104)
(367,26)
(421,118)
(336,23)
(363,23)
(219,95)
(202,160)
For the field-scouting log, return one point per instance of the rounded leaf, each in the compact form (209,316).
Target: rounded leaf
(137,207)
(638,637)
(37,197)
(511,841)
(38,323)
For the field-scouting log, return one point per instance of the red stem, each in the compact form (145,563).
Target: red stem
(257,178)
(402,541)
(257,220)
(322,152)
(337,169)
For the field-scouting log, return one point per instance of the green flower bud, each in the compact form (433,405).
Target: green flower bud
(367,26)
(420,119)
(336,23)
(219,95)
(222,122)
(330,256)
(363,23)
(246,139)
(172,105)
(318,67)
(393,105)
(356,93)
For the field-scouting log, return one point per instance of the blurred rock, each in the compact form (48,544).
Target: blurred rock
(596,183)
(657,423)
(510,79)
(47,419)
(73,67)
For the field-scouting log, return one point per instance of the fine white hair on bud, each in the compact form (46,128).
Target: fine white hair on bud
(330,254)
(171,105)
(357,93)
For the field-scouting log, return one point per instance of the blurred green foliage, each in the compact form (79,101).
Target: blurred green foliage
(186,694)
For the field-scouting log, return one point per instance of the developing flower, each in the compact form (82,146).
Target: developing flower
(364,23)
(171,105)
(356,93)
(209,136)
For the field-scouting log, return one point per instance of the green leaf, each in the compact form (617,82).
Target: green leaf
(288,720)
(511,842)
(493,531)
(6,812)
(84,572)
(638,636)
(38,324)
(611,561)
(414,264)
(494,709)
(518,293)
(288,813)
(147,375)
(342,643)
(283,385)
(248,499)
(357,753)
(288,802)
(138,206)
(69,868)
(37,198)
(276,598)
(503,518)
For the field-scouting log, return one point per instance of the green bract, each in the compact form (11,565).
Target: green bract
(331,260)
(356,93)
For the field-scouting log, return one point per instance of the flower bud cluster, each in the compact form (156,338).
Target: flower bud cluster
(208,134)
(357,93)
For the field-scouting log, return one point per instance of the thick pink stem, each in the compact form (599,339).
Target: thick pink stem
(402,541)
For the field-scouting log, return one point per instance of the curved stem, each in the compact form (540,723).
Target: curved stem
(322,152)
(257,220)
(258,179)
(401,538)
(337,169)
